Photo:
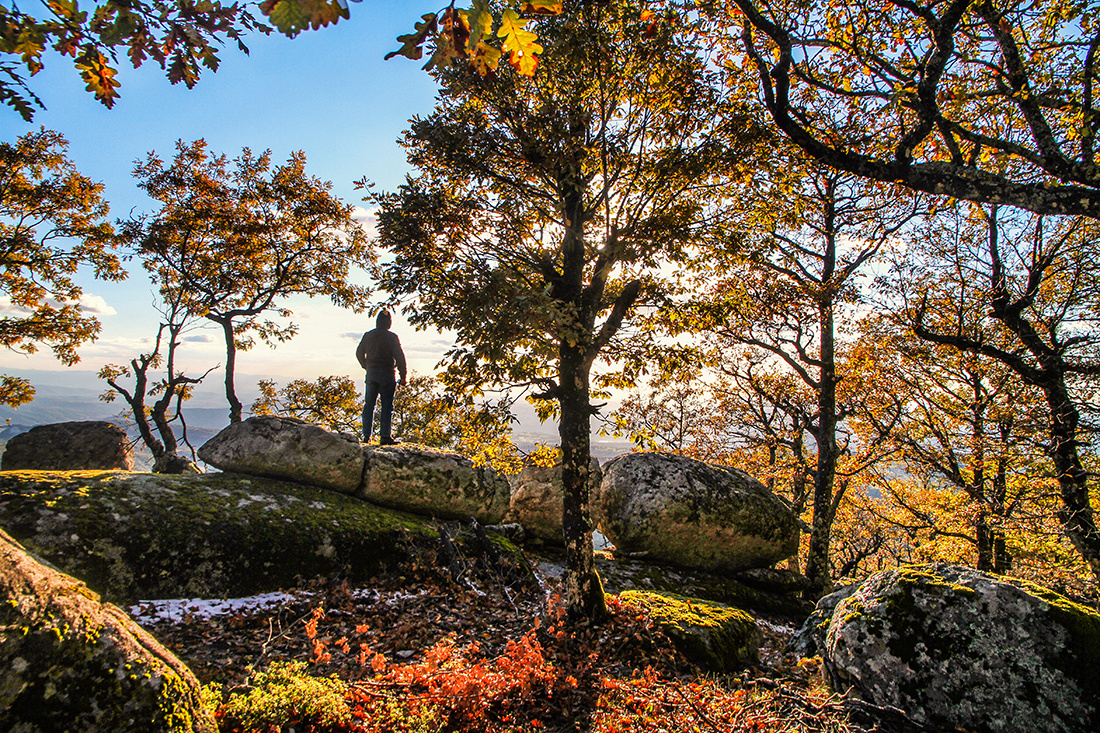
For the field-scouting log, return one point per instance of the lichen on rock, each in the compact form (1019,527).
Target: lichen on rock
(71,663)
(714,636)
(955,647)
(685,512)
(438,483)
(288,449)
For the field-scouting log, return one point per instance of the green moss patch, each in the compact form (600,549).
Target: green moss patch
(134,535)
(713,636)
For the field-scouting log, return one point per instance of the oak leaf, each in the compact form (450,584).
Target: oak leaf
(412,44)
(519,43)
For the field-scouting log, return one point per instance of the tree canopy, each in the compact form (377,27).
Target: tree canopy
(184,37)
(53,220)
(234,241)
(983,101)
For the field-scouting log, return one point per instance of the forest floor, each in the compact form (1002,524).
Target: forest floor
(416,650)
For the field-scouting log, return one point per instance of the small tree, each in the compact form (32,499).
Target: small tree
(542,211)
(45,201)
(170,392)
(232,243)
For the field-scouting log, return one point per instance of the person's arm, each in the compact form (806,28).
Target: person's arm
(361,352)
(399,359)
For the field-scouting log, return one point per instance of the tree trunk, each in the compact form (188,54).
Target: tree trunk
(584,595)
(1076,515)
(236,409)
(817,558)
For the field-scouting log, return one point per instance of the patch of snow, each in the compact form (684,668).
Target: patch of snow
(176,609)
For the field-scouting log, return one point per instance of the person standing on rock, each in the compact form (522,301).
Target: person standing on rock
(379,353)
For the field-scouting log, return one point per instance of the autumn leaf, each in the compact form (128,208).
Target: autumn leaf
(99,77)
(519,43)
(485,58)
(412,43)
(293,16)
(481,27)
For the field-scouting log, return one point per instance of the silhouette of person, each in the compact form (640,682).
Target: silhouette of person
(379,353)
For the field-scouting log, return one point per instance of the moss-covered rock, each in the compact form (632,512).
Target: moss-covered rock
(957,648)
(684,512)
(619,574)
(712,635)
(71,663)
(438,483)
(135,535)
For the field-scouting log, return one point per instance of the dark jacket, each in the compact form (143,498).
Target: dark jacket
(381,349)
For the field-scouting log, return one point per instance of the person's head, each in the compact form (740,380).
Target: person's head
(384,320)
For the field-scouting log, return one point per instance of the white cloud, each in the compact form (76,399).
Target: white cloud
(93,305)
(96,305)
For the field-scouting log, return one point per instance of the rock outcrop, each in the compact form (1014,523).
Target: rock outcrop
(714,636)
(135,535)
(684,512)
(70,446)
(288,449)
(71,663)
(434,482)
(958,649)
(407,477)
(537,498)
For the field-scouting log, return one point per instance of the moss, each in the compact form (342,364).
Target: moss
(75,683)
(131,535)
(712,635)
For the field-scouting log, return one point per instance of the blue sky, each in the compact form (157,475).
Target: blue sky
(327,92)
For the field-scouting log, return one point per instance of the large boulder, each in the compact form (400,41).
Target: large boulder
(133,536)
(288,449)
(713,635)
(684,512)
(958,649)
(70,446)
(71,663)
(537,499)
(434,482)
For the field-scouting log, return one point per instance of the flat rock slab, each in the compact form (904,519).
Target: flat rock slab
(71,663)
(133,536)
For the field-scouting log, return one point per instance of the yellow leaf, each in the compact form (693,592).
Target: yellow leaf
(519,43)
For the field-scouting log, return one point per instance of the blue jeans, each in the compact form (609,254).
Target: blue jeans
(380,383)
